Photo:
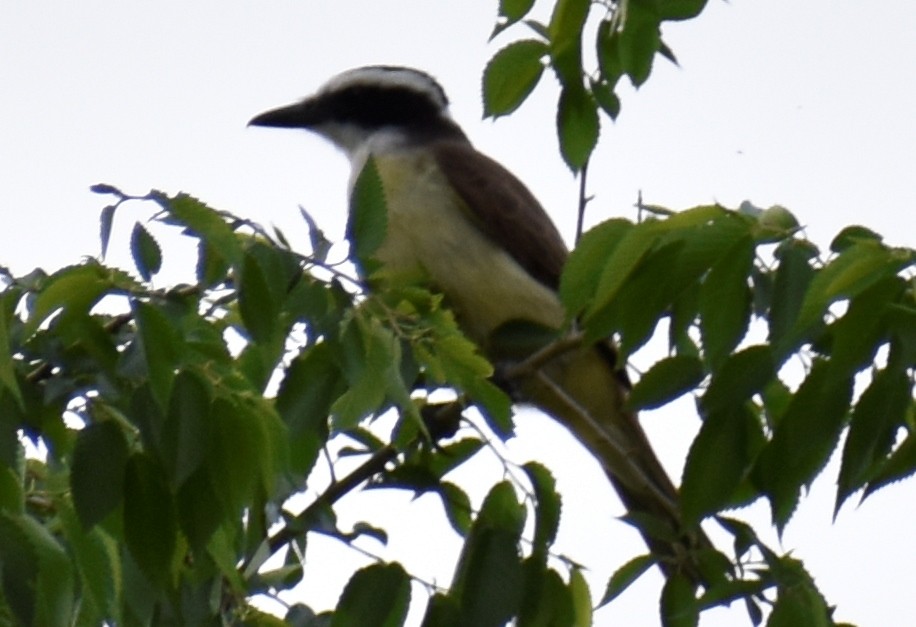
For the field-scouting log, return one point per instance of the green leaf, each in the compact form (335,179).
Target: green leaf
(457,506)
(7,370)
(581,597)
(161,348)
(183,439)
(742,375)
(548,602)
(856,269)
(678,9)
(803,439)
(798,601)
(97,559)
(624,576)
(145,251)
(150,526)
(511,75)
(719,460)
(238,453)
(37,574)
(582,271)
(902,464)
(376,595)
(678,604)
(489,579)
(257,303)
(850,235)
(370,356)
(665,381)
(97,473)
(106,220)
(548,506)
(200,512)
(604,95)
(565,34)
(304,400)
(793,276)
(878,415)
(577,126)
(639,40)
(74,290)
(725,302)
(368,217)
(856,337)
(514,10)
(206,223)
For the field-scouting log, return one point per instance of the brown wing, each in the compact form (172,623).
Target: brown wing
(505,210)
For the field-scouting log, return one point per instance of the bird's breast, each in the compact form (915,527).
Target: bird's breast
(432,237)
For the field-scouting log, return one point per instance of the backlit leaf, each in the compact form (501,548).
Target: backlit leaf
(97,474)
(511,75)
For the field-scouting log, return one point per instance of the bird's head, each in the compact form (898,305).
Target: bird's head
(352,107)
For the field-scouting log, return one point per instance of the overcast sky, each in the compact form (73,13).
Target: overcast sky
(804,103)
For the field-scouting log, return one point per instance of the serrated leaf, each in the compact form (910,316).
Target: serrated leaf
(548,506)
(369,355)
(304,401)
(793,275)
(624,576)
(37,578)
(803,439)
(97,472)
(145,251)
(902,464)
(511,75)
(581,598)
(74,289)
(582,271)
(877,417)
(200,514)
(639,40)
(7,369)
(514,10)
(488,580)
(852,234)
(457,506)
(150,525)
(741,375)
(376,595)
(161,348)
(856,269)
(206,223)
(577,126)
(604,95)
(106,220)
(678,604)
(257,303)
(725,302)
(665,381)
(548,601)
(719,460)
(565,34)
(368,216)
(98,562)
(183,440)
(238,453)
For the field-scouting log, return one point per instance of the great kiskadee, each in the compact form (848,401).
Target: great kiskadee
(468,228)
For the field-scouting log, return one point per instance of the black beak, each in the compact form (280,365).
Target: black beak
(299,115)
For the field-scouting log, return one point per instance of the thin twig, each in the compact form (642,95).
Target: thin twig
(583,201)
(334,493)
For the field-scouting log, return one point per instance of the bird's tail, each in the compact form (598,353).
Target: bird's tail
(582,390)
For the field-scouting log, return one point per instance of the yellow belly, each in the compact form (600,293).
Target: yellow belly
(431,238)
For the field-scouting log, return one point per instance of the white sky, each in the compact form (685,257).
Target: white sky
(804,103)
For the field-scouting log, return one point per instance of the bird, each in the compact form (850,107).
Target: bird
(461,224)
